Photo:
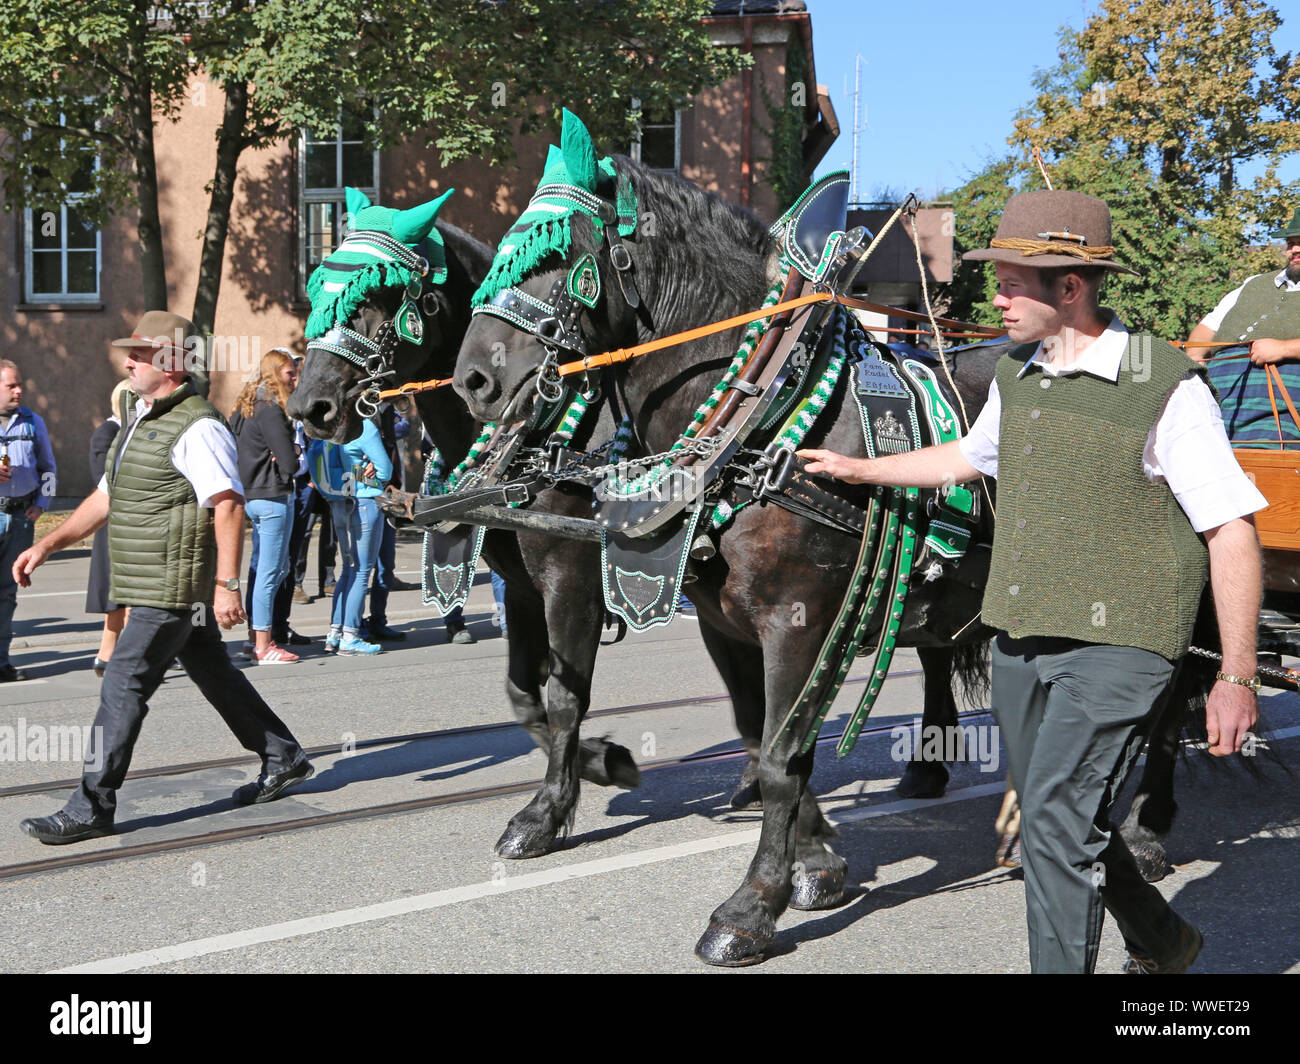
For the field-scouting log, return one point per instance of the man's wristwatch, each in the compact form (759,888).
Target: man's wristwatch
(1245,681)
(230,585)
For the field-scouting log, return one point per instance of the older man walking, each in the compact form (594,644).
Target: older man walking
(175,511)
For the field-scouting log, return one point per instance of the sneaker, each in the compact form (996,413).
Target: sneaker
(1188,946)
(352,646)
(460,636)
(300,596)
(332,643)
(274,655)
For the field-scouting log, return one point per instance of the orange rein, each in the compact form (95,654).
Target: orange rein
(624,354)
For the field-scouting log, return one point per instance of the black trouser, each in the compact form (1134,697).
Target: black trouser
(314,506)
(1073,718)
(150,640)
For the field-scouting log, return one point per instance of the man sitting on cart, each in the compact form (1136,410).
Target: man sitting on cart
(1263,315)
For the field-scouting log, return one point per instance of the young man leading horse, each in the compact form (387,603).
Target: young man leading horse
(1117,488)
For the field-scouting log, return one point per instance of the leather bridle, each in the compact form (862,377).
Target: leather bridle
(555,320)
(375,356)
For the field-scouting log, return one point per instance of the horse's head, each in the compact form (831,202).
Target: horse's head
(561,286)
(384,311)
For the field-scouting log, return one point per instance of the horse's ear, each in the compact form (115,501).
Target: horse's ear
(413,225)
(579,152)
(357,201)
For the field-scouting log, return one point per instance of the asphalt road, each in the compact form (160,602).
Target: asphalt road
(423,890)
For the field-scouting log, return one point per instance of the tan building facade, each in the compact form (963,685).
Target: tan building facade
(58,315)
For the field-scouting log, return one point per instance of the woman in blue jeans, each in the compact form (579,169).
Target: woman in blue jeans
(351,477)
(268,460)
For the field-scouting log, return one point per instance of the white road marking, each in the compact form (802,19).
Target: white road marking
(312,925)
(455,895)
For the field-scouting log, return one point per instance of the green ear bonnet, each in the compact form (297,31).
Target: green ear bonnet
(574,181)
(383,247)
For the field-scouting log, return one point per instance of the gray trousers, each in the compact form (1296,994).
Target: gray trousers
(1073,718)
(150,640)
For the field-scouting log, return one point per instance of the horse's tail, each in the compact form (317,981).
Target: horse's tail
(970,668)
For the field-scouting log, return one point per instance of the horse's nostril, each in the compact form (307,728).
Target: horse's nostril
(475,382)
(322,412)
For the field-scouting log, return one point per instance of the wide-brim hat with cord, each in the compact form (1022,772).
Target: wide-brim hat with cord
(161,329)
(1046,228)
(1291,229)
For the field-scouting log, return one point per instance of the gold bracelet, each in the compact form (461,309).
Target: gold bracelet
(1252,682)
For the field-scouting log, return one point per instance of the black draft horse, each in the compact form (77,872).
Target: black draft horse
(705,260)
(554,611)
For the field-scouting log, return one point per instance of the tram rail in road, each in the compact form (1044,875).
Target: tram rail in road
(27,868)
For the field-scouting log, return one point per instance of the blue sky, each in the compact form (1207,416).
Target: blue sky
(942,81)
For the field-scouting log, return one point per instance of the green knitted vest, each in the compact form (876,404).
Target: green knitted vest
(161,547)
(1085,547)
(1262,312)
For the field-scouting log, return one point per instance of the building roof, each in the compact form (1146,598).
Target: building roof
(738,8)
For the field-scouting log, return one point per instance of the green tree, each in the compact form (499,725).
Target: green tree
(465,75)
(1154,106)
(86,79)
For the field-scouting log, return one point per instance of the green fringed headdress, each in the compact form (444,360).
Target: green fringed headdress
(367,259)
(573,181)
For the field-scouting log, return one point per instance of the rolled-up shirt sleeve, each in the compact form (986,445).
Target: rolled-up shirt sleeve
(205,455)
(1214,319)
(980,446)
(1189,449)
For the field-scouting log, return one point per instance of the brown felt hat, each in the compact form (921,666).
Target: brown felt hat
(1045,229)
(161,328)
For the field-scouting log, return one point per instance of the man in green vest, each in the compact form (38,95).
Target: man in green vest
(1117,490)
(174,506)
(1263,315)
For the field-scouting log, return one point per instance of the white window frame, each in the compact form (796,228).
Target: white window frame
(635,149)
(30,295)
(308,197)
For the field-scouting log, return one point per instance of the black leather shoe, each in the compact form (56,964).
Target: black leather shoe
(60,828)
(398,584)
(1186,948)
(291,639)
(269,787)
(8,674)
(381,633)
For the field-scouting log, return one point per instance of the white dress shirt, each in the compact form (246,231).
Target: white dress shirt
(1214,319)
(204,455)
(1187,448)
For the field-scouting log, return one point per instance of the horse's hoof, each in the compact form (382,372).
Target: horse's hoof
(1009,850)
(747,796)
(621,767)
(519,843)
(822,888)
(923,779)
(1151,859)
(730,947)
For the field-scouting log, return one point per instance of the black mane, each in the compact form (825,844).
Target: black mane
(703,257)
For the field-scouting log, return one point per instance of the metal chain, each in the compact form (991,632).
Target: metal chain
(577,472)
